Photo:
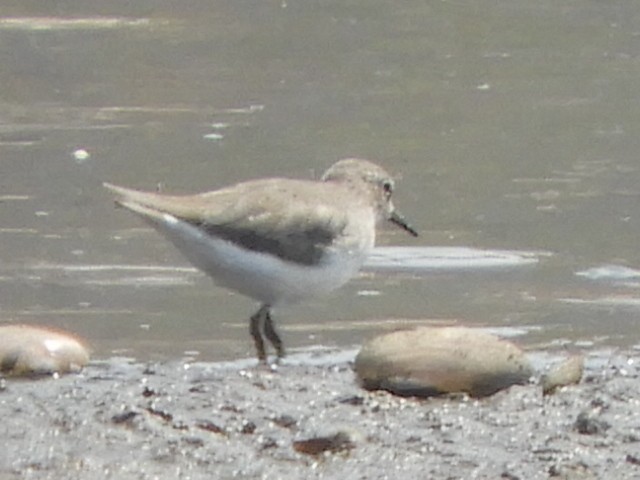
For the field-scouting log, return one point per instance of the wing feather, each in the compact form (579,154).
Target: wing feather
(290,219)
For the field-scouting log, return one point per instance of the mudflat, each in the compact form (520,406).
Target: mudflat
(184,420)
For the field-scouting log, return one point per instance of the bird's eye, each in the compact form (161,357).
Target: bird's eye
(388,188)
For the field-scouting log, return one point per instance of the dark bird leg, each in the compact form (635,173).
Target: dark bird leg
(272,335)
(256,326)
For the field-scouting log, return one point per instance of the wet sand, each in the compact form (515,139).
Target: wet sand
(127,420)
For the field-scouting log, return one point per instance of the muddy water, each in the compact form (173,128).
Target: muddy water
(512,125)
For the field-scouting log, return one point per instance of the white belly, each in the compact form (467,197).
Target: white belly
(263,277)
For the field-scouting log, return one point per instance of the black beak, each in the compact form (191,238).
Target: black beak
(402,223)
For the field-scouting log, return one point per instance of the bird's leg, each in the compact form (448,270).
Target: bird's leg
(272,335)
(256,326)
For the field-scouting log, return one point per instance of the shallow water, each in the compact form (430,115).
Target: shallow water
(512,127)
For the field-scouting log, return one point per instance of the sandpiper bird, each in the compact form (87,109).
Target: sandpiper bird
(276,240)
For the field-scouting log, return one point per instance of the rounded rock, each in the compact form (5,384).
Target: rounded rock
(567,372)
(430,361)
(27,350)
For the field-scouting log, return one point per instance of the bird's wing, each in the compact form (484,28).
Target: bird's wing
(287,218)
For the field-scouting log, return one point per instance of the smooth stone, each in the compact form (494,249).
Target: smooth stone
(431,361)
(566,372)
(26,350)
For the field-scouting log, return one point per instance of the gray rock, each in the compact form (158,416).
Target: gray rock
(590,422)
(435,360)
(30,351)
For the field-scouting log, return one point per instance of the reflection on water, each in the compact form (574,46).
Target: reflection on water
(511,126)
(429,259)
(66,23)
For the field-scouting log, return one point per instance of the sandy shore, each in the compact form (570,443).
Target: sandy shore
(176,420)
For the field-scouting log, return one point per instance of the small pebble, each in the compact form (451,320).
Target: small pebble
(567,372)
(590,423)
(341,441)
(81,155)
